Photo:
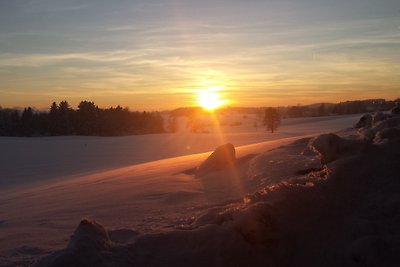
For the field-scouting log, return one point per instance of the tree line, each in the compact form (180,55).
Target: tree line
(272,116)
(87,119)
(342,108)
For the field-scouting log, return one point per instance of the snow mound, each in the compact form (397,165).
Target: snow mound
(387,133)
(370,134)
(283,163)
(379,116)
(369,125)
(123,236)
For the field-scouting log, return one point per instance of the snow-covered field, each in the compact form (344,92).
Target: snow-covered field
(142,189)
(31,160)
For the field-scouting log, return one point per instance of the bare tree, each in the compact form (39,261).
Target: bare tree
(271,119)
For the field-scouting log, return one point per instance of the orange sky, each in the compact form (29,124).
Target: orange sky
(159,55)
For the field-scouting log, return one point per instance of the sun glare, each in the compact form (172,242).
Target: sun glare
(210,99)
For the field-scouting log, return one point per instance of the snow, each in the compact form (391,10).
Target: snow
(35,160)
(278,206)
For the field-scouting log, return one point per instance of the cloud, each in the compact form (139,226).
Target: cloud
(39,60)
(254,60)
(39,6)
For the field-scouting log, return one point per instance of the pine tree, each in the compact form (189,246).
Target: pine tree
(88,119)
(64,118)
(27,122)
(53,120)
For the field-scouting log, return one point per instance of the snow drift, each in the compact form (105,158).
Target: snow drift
(342,212)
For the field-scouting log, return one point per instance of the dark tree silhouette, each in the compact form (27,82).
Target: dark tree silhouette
(27,122)
(321,110)
(65,114)
(87,119)
(172,124)
(54,120)
(271,119)
(297,111)
(9,122)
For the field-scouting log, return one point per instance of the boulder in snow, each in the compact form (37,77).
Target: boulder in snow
(332,147)
(364,122)
(90,245)
(396,109)
(91,234)
(223,157)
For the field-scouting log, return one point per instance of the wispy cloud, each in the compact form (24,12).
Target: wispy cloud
(38,60)
(35,6)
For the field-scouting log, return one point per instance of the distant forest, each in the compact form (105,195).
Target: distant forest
(88,119)
(342,108)
(298,111)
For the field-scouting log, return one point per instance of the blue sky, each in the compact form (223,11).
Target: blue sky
(159,54)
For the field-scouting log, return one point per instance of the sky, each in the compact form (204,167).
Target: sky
(158,55)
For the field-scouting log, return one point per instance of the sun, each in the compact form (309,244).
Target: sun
(210,99)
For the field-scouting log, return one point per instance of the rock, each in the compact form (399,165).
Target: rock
(332,147)
(223,157)
(91,234)
(396,109)
(90,245)
(364,122)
